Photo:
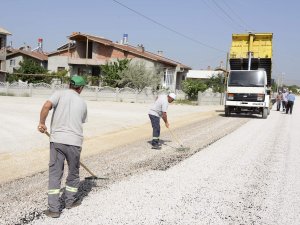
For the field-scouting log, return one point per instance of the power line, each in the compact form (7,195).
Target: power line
(217,14)
(168,28)
(226,14)
(240,18)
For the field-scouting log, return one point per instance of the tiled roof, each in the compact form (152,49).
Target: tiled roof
(36,55)
(3,31)
(128,48)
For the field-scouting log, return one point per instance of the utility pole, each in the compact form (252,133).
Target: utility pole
(277,88)
(282,76)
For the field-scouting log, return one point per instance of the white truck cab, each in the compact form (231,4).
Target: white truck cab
(247,91)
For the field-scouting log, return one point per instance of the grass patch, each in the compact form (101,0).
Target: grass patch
(4,94)
(185,102)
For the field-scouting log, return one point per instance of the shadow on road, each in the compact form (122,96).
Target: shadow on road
(85,187)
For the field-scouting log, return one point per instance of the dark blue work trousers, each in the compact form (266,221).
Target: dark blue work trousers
(155,122)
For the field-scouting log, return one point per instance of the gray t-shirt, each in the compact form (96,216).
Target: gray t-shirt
(159,106)
(69,112)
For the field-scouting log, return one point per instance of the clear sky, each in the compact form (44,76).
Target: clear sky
(196,33)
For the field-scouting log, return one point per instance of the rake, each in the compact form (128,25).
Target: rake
(181,148)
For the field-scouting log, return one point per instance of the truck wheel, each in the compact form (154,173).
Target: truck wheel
(264,113)
(269,111)
(227,111)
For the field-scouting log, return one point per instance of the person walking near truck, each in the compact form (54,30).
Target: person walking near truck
(290,102)
(69,112)
(157,110)
(278,100)
(284,99)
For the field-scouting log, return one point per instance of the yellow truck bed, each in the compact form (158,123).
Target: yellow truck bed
(260,44)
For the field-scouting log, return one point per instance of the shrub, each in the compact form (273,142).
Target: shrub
(192,87)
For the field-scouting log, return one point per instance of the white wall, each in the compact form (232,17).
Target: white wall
(57,61)
(10,68)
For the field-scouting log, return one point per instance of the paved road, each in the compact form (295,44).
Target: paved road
(251,176)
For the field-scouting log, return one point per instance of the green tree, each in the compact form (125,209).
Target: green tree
(137,76)
(216,83)
(192,87)
(29,66)
(111,72)
(293,88)
(62,75)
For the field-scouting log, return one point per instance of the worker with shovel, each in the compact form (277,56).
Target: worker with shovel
(69,112)
(157,110)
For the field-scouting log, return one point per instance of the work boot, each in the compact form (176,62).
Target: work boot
(155,144)
(51,214)
(73,205)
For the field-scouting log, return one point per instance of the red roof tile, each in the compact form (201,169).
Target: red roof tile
(128,48)
(37,55)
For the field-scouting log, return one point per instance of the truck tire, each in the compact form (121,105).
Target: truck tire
(227,112)
(269,111)
(264,113)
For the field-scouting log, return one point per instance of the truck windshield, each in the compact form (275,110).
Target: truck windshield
(246,78)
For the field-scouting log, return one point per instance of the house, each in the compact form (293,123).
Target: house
(3,40)
(15,56)
(203,74)
(85,53)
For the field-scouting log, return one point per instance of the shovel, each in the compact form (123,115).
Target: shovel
(93,177)
(181,148)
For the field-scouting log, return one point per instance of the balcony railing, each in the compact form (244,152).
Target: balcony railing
(80,61)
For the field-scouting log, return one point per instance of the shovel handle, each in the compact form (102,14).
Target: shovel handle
(47,133)
(87,169)
(175,137)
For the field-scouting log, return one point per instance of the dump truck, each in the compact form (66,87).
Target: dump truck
(249,78)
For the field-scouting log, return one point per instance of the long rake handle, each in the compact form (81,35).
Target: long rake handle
(87,169)
(175,137)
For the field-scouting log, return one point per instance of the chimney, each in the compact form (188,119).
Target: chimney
(208,68)
(160,53)
(125,39)
(40,44)
(221,64)
(141,48)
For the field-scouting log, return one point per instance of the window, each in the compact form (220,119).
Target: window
(168,78)
(12,62)
(60,69)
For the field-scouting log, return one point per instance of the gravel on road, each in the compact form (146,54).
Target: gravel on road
(22,200)
(250,176)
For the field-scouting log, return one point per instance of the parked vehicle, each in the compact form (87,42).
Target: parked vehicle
(249,79)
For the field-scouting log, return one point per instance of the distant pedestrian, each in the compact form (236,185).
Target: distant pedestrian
(290,102)
(157,110)
(278,100)
(284,99)
(69,112)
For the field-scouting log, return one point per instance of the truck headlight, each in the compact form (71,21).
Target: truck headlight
(260,97)
(230,96)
